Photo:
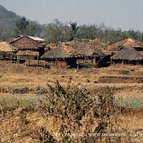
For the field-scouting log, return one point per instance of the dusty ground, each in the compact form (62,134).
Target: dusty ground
(126,80)
(19,83)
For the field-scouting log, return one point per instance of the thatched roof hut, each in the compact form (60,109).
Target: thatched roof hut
(59,57)
(57,53)
(26,43)
(129,42)
(127,54)
(84,49)
(30,55)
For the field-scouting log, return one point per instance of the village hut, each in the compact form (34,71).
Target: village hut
(59,57)
(127,56)
(6,51)
(85,50)
(129,42)
(88,54)
(27,56)
(25,43)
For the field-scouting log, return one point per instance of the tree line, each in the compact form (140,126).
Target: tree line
(57,31)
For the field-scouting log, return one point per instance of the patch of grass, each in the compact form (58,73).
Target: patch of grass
(13,101)
(131,103)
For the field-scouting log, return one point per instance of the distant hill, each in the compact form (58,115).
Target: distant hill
(7,22)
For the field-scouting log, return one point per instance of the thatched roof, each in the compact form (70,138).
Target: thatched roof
(56,53)
(73,49)
(129,54)
(129,42)
(27,53)
(6,47)
(26,43)
(98,43)
(84,49)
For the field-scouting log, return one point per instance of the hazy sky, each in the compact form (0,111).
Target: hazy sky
(125,14)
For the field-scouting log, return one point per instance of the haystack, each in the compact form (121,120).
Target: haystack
(5,47)
(6,51)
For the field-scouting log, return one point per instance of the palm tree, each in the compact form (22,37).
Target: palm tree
(73,30)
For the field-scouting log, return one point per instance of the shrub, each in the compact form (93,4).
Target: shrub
(73,103)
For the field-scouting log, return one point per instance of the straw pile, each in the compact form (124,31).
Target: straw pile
(5,47)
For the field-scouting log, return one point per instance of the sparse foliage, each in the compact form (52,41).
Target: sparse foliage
(73,104)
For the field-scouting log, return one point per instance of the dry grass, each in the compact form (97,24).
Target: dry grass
(19,83)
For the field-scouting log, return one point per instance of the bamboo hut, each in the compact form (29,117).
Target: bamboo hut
(127,56)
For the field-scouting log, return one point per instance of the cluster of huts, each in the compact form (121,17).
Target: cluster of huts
(72,54)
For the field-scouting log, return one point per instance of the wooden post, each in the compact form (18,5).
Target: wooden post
(16,59)
(77,64)
(37,61)
(45,64)
(29,62)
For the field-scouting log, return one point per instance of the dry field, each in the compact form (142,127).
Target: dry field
(15,79)
(23,86)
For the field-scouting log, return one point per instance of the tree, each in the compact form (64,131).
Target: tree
(86,32)
(33,29)
(21,26)
(57,32)
(73,30)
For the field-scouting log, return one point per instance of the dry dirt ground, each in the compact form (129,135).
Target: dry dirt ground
(127,80)
(22,85)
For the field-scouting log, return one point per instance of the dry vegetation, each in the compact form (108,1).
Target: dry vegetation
(109,99)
